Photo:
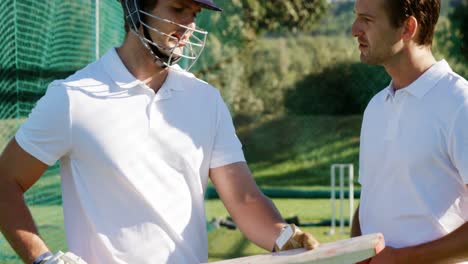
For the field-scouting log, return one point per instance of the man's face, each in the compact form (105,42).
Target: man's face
(182,12)
(378,40)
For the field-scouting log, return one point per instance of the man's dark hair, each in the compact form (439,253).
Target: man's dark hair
(146,5)
(426,13)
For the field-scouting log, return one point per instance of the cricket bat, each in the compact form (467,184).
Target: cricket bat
(347,251)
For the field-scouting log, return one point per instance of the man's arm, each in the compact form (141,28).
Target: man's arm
(356,226)
(448,249)
(451,248)
(254,213)
(18,172)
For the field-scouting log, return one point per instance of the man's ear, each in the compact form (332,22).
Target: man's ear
(410,28)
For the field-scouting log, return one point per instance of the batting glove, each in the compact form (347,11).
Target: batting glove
(63,258)
(292,237)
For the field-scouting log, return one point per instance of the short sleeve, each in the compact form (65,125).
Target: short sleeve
(458,143)
(227,148)
(46,133)
(362,146)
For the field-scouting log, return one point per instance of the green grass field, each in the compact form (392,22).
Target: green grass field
(225,243)
(7,130)
(293,152)
(296,151)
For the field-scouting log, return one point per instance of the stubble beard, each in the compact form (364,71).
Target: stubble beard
(371,59)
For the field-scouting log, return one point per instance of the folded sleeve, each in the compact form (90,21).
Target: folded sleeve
(458,143)
(46,133)
(227,148)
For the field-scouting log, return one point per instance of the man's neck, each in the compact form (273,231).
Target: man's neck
(140,63)
(409,66)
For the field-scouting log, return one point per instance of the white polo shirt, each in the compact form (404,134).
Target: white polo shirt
(414,159)
(134,164)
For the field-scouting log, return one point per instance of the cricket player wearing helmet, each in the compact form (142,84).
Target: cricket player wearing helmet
(137,137)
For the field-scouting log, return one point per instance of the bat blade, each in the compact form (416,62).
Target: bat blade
(345,251)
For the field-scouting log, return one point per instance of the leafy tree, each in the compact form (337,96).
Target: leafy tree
(282,16)
(338,21)
(239,59)
(459,20)
(324,93)
(250,18)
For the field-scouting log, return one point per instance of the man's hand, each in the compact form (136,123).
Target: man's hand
(64,258)
(388,255)
(299,239)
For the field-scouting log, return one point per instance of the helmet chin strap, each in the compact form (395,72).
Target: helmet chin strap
(161,58)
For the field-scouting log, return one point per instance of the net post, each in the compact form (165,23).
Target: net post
(332,199)
(342,171)
(351,194)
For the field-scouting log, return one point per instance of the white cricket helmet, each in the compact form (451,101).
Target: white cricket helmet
(187,47)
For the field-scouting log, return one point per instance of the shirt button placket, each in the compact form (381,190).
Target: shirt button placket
(393,123)
(150,107)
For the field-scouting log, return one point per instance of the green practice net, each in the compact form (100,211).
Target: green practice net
(41,41)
